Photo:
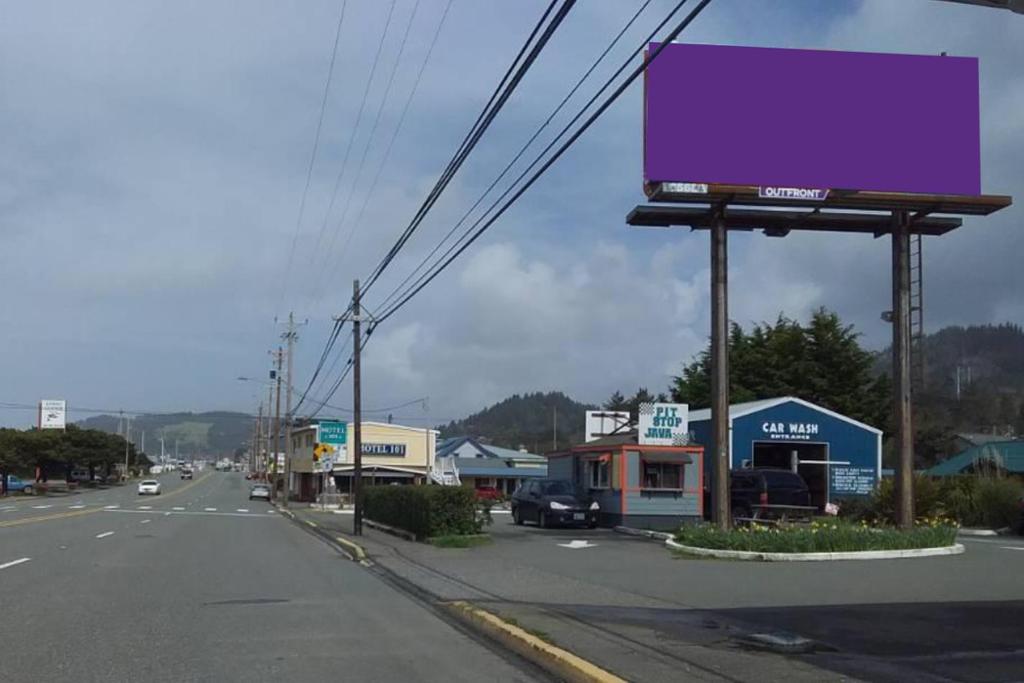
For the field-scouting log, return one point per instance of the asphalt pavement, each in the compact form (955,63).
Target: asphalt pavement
(200,584)
(629,605)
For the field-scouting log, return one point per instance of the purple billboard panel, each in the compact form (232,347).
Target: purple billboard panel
(813,119)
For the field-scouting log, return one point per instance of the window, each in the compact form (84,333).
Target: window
(662,475)
(597,474)
(309,440)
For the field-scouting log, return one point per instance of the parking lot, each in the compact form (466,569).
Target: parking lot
(630,605)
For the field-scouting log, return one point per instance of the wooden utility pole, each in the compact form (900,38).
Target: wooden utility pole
(901,369)
(720,369)
(357,408)
(259,431)
(290,336)
(277,419)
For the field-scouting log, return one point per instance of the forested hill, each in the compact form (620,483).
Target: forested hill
(526,420)
(214,433)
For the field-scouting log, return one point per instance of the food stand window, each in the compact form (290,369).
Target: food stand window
(662,471)
(597,472)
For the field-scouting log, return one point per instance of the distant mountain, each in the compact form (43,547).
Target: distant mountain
(527,420)
(211,434)
(989,360)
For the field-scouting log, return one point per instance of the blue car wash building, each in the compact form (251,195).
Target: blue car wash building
(837,456)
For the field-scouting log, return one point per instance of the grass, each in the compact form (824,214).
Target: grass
(820,537)
(459,541)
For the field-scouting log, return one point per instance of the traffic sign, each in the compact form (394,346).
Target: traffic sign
(333,433)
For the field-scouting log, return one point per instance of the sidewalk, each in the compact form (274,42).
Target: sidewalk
(630,632)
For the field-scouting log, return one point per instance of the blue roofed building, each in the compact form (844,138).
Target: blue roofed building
(481,465)
(1004,456)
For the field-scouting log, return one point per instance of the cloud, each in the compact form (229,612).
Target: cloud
(156,154)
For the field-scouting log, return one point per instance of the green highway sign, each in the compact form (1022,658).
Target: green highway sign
(334,433)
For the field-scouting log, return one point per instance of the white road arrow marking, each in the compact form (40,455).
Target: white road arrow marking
(12,563)
(576,545)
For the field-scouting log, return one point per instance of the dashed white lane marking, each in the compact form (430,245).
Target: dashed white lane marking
(210,509)
(75,507)
(111,507)
(105,534)
(242,510)
(191,512)
(1012,547)
(178,508)
(145,507)
(8,507)
(41,507)
(145,521)
(13,563)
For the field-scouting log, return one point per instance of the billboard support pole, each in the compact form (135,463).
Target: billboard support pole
(720,368)
(901,369)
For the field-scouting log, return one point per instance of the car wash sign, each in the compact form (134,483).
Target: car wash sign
(790,431)
(663,424)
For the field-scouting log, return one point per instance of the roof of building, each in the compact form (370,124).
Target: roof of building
(978,439)
(447,446)
(1008,455)
(496,467)
(741,409)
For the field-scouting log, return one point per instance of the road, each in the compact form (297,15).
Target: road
(199,584)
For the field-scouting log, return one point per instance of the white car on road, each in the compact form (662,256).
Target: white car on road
(149,487)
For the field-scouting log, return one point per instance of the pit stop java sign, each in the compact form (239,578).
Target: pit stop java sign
(664,424)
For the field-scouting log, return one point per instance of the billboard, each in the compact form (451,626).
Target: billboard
(663,424)
(52,414)
(335,435)
(770,117)
(604,422)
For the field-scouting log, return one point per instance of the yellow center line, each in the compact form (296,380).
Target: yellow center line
(79,513)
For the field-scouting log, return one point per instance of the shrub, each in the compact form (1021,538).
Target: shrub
(424,511)
(927,499)
(837,536)
(985,501)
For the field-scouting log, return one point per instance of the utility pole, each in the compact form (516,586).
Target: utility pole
(259,431)
(127,435)
(143,440)
(554,428)
(277,418)
(290,336)
(357,408)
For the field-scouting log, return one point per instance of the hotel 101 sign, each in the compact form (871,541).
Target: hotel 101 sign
(663,424)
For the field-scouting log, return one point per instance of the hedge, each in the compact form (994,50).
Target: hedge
(425,511)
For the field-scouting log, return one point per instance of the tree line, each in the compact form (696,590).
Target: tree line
(45,454)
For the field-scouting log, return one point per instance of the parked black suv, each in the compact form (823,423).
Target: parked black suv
(759,486)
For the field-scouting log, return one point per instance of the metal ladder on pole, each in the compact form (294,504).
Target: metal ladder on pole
(917,354)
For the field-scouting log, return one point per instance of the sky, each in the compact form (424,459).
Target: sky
(155,155)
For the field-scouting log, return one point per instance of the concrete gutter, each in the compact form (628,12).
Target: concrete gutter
(977,532)
(351,549)
(955,549)
(556,661)
(394,531)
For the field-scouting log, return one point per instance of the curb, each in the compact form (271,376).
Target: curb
(561,663)
(977,532)
(401,533)
(955,549)
(353,550)
(655,535)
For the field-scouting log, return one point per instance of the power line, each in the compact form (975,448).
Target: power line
(362,160)
(401,117)
(312,156)
(497,100)
(526,146)
(355,129)
(446,260)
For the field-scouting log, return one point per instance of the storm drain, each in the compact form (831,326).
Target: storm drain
(781,642)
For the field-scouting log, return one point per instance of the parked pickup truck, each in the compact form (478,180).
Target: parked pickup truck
(766,493)
(14,484)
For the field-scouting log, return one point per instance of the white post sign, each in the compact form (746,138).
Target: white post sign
(664,424)
(52,414)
